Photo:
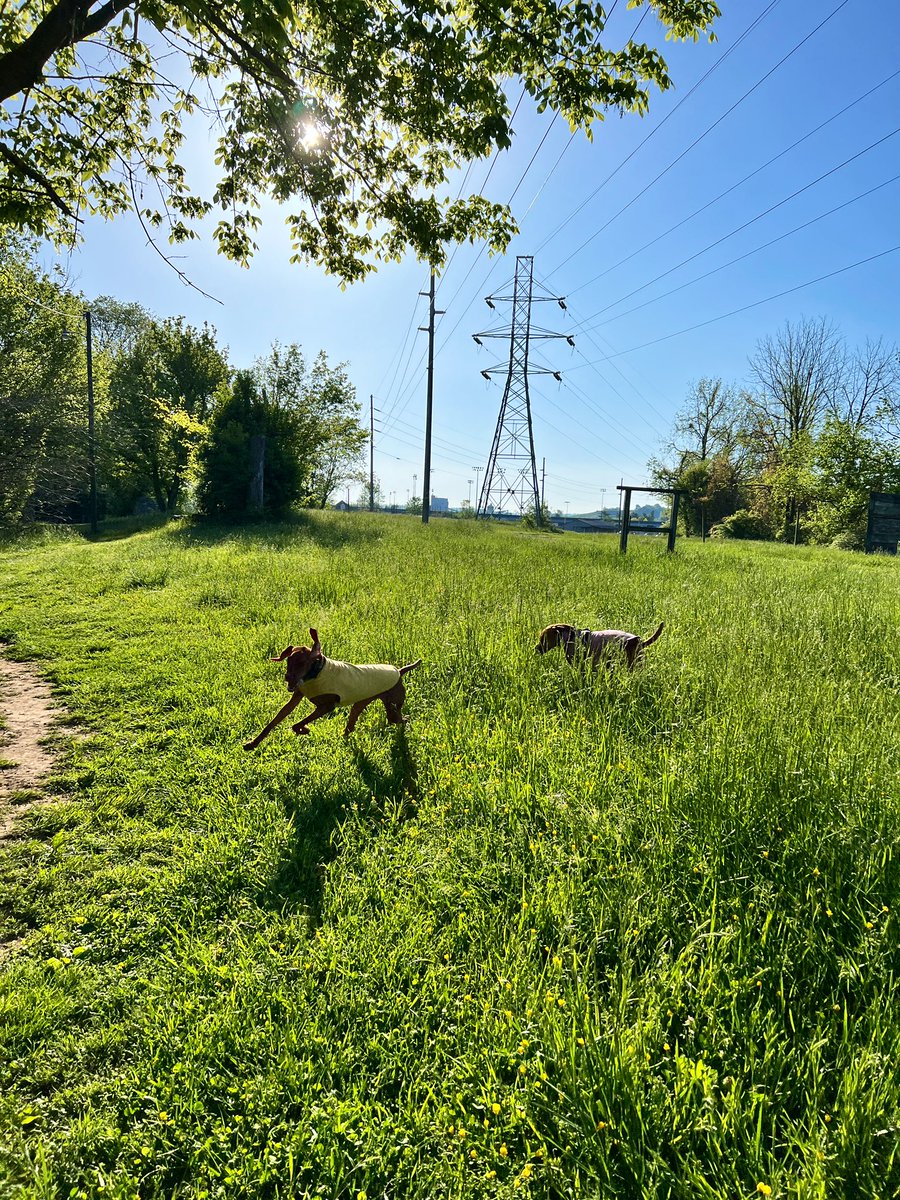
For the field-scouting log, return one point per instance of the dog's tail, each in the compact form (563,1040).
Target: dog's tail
(653,636)
(410,667)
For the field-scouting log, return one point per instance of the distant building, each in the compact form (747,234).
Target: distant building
(342,506)
(440,504)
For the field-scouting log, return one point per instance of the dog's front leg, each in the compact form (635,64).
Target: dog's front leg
(276,720)
(324,705)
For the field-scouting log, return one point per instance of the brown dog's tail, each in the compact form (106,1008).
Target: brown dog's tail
(653,636)
(410,667)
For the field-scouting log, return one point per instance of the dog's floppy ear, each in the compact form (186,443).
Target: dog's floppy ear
(548,638)
(314,634)
(284,654)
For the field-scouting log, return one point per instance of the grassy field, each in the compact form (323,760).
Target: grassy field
(565,934)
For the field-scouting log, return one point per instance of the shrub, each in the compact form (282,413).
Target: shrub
(743,524)
(850,539)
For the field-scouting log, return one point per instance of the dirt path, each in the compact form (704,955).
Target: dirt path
(28,716)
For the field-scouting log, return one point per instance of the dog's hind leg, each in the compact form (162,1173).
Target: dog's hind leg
(353,716)
(393,700)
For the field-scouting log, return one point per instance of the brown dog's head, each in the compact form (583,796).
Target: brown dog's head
(300,661)
(555,635)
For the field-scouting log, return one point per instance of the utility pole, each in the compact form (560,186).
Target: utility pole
(543,482)
(429,400)
(92,447)
(371,453)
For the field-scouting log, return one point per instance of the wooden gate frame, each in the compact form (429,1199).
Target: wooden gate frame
(675,493)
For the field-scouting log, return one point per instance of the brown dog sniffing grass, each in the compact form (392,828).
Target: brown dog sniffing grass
(331,684)
(597,644)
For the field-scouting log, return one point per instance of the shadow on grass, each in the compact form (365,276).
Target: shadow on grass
(377,791)
(45,533)
(327,529)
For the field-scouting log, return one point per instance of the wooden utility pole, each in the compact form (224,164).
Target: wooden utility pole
(92,445)
(429,400)
(371,453)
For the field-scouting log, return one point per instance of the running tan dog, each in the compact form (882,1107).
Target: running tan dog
(331,684)
(595,644)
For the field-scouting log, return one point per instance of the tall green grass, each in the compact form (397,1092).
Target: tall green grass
(566,934)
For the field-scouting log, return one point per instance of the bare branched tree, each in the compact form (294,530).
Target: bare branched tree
(872,386)
(800,373)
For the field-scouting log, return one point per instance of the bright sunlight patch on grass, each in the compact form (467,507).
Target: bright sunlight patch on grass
(566,934)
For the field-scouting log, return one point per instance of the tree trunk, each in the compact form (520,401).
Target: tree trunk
(256,491)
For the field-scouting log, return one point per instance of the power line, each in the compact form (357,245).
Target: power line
(559,228)
(755,304)
(756,250)
(481,251)
(734,186)
(746,225)
(701,137)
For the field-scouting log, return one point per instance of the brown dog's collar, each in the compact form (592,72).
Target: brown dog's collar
(315,670)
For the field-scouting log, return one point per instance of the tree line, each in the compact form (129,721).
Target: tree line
(794,455)
(175,423)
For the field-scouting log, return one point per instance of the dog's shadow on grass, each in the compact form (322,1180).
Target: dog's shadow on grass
(382,787)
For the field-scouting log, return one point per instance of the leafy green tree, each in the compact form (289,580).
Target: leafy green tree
(362,497)
(160,397)
(850,464)
(326,435)
(352,115)
(790,487)
(243,416)
(117,325)
(714,489)
(710,422)
(706,454)
(43,392)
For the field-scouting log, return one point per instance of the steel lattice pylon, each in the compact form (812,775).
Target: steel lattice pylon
(510,478)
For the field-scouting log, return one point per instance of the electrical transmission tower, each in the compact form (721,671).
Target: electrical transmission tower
(510,478)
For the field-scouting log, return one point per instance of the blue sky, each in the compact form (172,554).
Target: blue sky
(679,240)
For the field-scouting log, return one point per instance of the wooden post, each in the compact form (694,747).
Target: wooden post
(92,441)
(626,514)
(673,523)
